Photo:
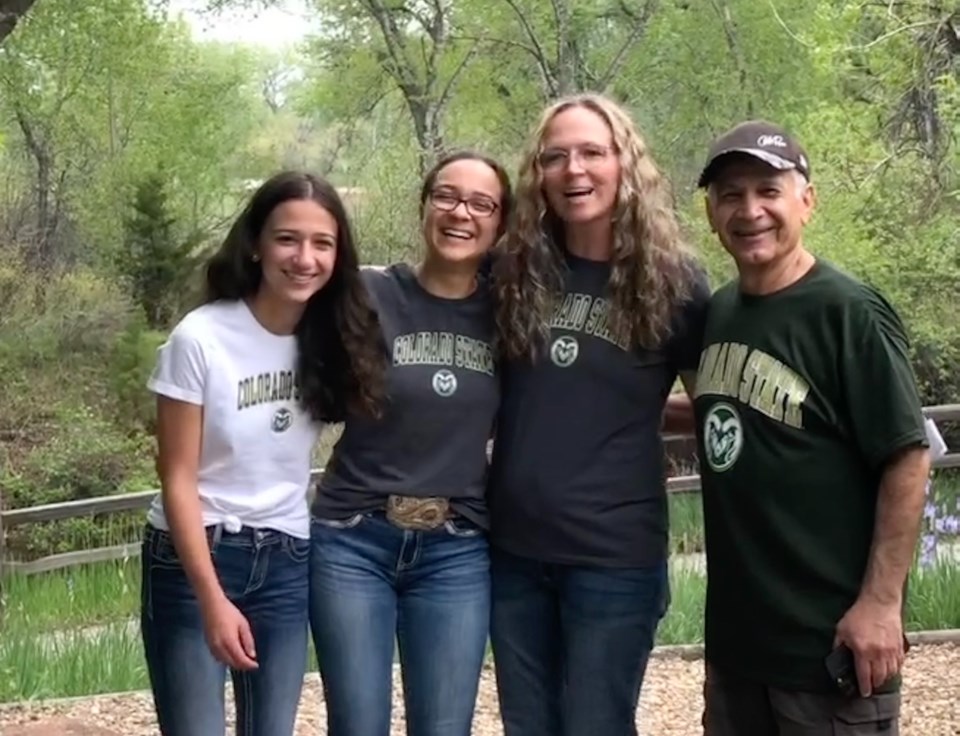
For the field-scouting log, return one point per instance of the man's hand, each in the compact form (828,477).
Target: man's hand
(873,631)
(228,634)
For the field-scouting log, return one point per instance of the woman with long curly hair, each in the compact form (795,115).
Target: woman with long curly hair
(600,307)
(400,551)
(284,341)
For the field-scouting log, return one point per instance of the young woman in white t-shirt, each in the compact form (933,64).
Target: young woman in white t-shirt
(285,340)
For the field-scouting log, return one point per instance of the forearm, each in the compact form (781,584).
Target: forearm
(182,509)
(897,525)
(678,416)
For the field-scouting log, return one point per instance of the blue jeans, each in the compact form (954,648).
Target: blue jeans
(571,644)
(373,583)
(265,575)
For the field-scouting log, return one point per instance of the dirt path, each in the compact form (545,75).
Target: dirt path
(670,704)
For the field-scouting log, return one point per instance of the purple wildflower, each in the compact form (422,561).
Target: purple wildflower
(937,522)
(948,525)
(928,550)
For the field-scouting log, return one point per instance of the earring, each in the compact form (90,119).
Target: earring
(255,257)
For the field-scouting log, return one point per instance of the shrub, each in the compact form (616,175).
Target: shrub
(47,319)
(86,456)
(133,358)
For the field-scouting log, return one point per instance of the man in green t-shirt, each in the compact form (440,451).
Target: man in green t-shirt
(813,462)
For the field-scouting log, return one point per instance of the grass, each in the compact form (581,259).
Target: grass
(683,623)
(85,595)
(73,632)
(686,523)
(109,658)
(69,663)
(933,603)
(946,485)
(933,598)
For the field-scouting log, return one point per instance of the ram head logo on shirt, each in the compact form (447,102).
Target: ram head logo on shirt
(444,382)
(282,420)
(722,436)
(564,351)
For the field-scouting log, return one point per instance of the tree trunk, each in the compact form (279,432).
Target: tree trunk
(731,34)
(41,254)
(426,123)
(567,61)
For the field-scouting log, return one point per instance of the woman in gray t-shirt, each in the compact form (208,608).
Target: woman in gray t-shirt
(399,545)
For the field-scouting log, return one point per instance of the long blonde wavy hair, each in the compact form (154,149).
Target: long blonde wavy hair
(652,268)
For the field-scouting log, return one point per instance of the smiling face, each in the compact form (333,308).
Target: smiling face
(580,166)
(297,249)
(757,211)
(461,217)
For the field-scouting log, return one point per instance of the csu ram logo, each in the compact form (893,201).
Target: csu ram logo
(722,436)
(444,382)
(564,351)
(282,420)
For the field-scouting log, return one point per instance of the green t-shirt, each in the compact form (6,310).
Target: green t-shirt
(802,396)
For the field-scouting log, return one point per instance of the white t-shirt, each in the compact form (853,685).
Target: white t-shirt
(255,448)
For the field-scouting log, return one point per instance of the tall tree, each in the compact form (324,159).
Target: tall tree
(575,46)
(413,44)
(52,73)
(415,50)
(96,93)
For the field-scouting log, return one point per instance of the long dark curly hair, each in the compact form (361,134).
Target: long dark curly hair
(339,355)
(652,268)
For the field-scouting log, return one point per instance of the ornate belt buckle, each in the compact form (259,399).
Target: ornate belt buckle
(417,513)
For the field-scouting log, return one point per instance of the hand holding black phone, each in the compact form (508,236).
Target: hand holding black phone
(843,671)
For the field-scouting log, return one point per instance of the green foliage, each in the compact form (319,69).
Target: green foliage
(133,358)
(123,92)
(73,662)
(45,318)
(158,262)
(85,595)
(86,456)
(73,633)
(83,456)
(57,438)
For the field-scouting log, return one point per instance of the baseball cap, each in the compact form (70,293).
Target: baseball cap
(768,142)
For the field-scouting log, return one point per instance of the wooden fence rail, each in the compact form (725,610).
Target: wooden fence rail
(141,500)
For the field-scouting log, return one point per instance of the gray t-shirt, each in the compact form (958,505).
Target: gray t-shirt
(443,394)
(578,472)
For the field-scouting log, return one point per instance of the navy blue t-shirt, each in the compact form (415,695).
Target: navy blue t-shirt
(578,470)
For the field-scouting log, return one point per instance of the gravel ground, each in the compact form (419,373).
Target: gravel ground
(670,704)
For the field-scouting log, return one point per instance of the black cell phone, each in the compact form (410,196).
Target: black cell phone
(843,671)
